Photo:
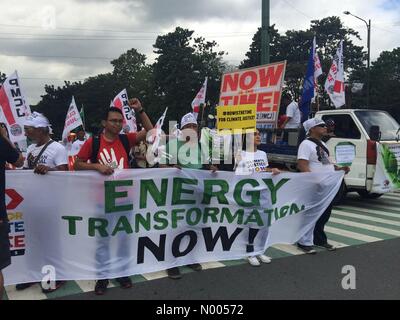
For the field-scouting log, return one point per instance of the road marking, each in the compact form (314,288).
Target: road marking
(155,275)
(32,293)
(212,265)
(365,217)
(337,244)
(375,205)
(350,234)
(366,227)
(363,211)
(88,285)
(288,248)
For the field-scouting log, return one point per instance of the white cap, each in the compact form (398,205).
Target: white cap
(188,118)
(309,124)
(37,120)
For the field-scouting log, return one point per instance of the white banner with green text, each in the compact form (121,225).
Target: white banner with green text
(84,225)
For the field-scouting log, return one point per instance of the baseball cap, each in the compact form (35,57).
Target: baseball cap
(311,123)
(188,118)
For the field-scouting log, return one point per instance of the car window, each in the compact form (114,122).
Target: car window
(345,126)
(387,125)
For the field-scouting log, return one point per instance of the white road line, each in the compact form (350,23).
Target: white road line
(365,217)
(288,248)
(155,275)
(375,205)
(366,227)
(350,234)
(391,196)
(386,214)
(212,265)
(88,285)
(337,244)
(32,293)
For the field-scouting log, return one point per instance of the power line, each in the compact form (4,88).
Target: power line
(51,79)
(299,11)
(61,57)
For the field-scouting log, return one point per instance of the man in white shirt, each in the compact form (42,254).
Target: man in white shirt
(293,113)
(313,156)
(43,155)
(79,142)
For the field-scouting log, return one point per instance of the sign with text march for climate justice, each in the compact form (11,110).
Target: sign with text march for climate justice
(138,221)
(261,86)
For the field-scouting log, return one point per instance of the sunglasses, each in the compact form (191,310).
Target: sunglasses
(321,126)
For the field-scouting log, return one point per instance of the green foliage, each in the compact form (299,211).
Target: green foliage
(181,67)
(294,46)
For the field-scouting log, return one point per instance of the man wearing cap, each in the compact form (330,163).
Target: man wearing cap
(185,152)
(8,153)
(42,156)
(313,156)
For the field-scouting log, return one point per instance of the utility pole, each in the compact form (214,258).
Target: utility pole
(265,9)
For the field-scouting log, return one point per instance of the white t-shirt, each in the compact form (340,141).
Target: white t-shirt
(317,158)
(76,147)
(294,113)
(252,162)
(54,155)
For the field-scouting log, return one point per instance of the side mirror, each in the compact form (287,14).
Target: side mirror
(375,133)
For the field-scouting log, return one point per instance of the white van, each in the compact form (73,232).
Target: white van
(361,128)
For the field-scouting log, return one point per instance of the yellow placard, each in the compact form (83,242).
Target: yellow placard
(236,118)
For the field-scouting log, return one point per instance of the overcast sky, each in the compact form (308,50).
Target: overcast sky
(51,41)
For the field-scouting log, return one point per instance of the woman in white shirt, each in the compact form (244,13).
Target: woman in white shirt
(252,161)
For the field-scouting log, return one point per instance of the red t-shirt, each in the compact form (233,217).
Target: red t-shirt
(112,154)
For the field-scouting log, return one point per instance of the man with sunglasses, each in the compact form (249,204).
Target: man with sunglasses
(313,156)
(111,153)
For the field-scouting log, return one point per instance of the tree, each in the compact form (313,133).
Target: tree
(180,69)
(385,82)
(95,93)
(254,54)
(294,47)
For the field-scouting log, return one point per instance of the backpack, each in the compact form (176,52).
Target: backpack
(96,147)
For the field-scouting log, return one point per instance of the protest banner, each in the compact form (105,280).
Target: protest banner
(14,107)
(387,173)
(140,221)
(236,118)
(261,86)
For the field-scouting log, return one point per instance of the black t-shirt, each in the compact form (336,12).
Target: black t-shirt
(10,155)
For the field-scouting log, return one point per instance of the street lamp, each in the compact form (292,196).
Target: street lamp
(369,51)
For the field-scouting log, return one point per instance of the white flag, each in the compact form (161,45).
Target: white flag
(72,121)
(121,101)
(199,99)
(156,132)
(317,62)
(334,84)
(14,107)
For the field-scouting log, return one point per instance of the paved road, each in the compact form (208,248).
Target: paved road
(367,233)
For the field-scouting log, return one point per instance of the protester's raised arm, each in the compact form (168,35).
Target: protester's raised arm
(136,105)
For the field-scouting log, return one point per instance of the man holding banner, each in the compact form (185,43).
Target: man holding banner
(43,155)
(313,156)
(107,153)
(8,153)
